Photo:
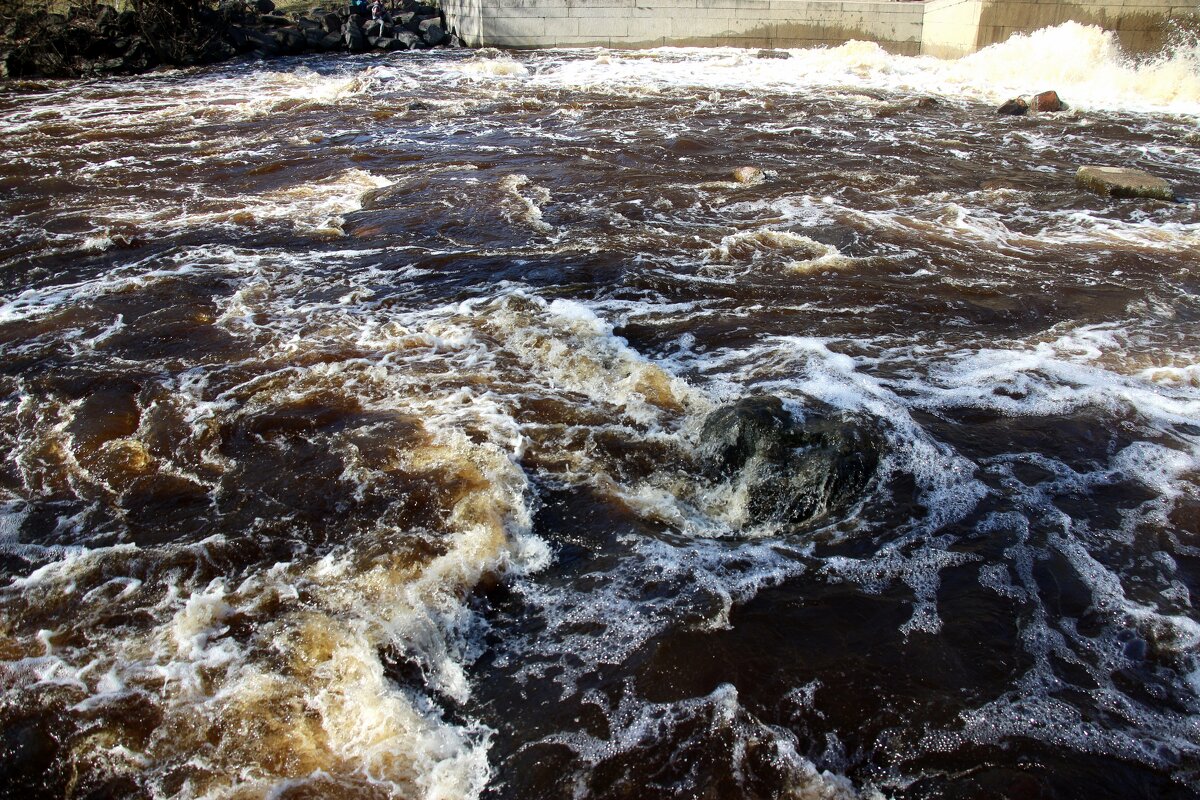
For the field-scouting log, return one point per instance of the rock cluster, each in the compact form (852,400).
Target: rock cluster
(1043,103)
(411,26)
(83,41)
(96,39)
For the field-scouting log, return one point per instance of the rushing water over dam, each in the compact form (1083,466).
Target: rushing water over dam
(594,424)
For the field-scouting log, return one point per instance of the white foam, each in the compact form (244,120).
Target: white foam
(636,726)
(1082,62)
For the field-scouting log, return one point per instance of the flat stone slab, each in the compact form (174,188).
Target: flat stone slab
(1120,182)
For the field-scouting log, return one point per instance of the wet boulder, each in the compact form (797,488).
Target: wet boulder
(1048,103)
(786,470)
(748,175)
(264,6)
(1014,108)
(1121,182)
(333,23)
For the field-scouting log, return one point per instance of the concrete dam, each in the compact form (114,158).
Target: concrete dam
(944,28)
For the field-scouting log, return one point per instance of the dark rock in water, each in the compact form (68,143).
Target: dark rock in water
(333,23)
(454,42)
(1119,182)
(781,54)
(331,41)
(264,6)
(274,21)
(1048,103)
(353,36)
(790,471)
(388,43)
(1014,108)
(926,103)
(433,35)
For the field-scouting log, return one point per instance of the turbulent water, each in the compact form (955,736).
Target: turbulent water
(352,408)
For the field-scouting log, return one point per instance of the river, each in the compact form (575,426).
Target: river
(354,419)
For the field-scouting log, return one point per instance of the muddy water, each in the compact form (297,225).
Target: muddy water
(351,412)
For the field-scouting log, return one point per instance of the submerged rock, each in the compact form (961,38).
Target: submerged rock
(780,54)
(786,470)
(748,175)
(1121,182)
(1014,108)
(1048,103)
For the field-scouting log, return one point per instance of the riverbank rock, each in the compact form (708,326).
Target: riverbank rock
(1048,103)
(1014,108)
(94,39)
(353,36)
(1121,182)
(786,470)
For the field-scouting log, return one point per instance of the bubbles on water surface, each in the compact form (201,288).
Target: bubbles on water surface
(419,512)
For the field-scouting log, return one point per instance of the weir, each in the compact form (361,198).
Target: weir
(945,28)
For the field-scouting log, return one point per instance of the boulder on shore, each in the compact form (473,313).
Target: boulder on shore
(353,36)
(1122,182)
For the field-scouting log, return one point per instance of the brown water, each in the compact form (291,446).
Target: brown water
(352,410)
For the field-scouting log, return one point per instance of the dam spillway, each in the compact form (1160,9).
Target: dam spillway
(945,28)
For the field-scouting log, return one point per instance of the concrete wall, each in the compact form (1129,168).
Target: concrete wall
(957,27)
(683,23)
(945,28)
(951,27)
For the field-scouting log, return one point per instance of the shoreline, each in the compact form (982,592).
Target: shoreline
(99,41)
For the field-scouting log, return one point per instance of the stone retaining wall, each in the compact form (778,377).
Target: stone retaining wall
(946,28)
